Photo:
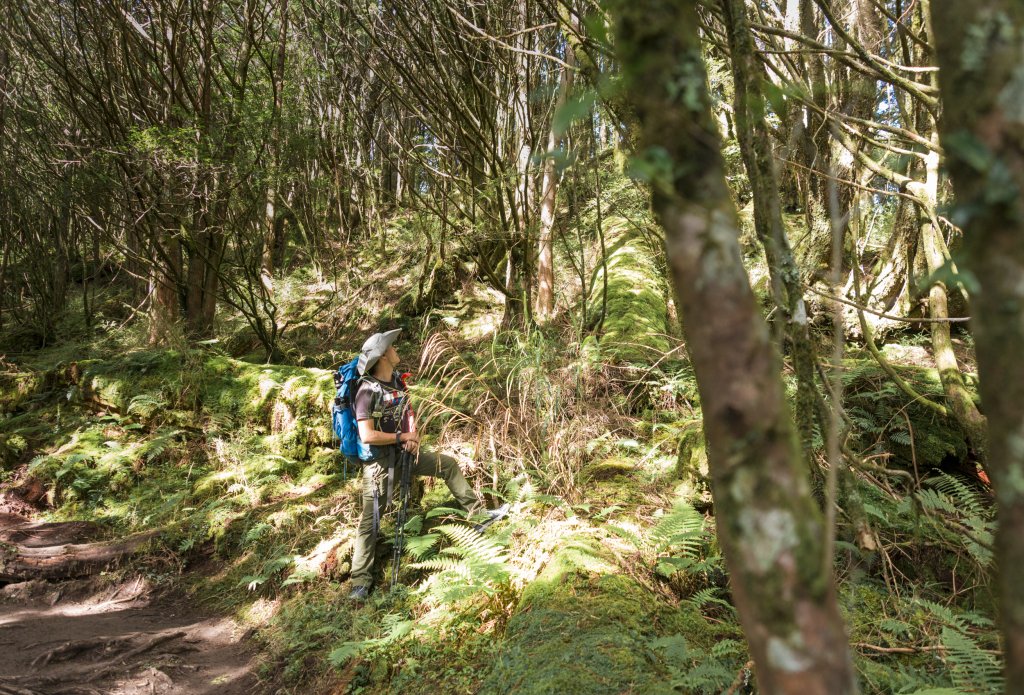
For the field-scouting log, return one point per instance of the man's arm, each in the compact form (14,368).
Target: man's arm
(369,434)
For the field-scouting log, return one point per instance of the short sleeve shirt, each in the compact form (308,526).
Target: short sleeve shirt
(382,402)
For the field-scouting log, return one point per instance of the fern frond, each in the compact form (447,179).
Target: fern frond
(934,501)
(705,597)
(626,534)
(968,499)
(680,528)
(942,613)
(422,547)
(727,647)
(473,545)
(145,405)
(973,669)
(454,565)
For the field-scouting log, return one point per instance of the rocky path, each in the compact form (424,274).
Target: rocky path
(91,635)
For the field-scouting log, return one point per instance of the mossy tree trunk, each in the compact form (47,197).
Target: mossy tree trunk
(980,48)
(961,404)
(758,158)
(549,194)
(815,153)
(769,526)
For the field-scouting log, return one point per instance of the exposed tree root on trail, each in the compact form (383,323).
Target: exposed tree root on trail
(118,652)
(97,635)
(113,646)
(52,551)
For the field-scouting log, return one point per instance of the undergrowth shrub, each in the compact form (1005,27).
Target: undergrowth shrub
(939,534)
(535,402)
(888,424)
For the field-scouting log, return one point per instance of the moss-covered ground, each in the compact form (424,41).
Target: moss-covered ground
(235,463)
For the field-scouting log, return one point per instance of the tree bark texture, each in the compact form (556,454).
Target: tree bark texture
(769,525)
(54,551)
(980,48)
(270,214)
(758,157)
(548,199)
(961,404)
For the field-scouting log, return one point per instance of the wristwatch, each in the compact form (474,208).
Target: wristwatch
(398,437)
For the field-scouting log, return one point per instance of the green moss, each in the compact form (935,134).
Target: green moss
(279,398)
(692,455)
(16,388)
(581,627)
(635,324)
(12,447)
(608,468)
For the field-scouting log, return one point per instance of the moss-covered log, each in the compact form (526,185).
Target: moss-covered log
(635,316)
(51,551)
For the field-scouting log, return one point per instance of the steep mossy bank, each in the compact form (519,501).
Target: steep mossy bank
(184,441)
(582,626)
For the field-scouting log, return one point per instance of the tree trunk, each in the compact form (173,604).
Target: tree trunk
(755,145)
(769,525)
(960,401)
(164,305)
(516,302)
(274,170)
(980,48)
(549,193)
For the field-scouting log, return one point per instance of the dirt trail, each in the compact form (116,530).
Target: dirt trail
(94,636)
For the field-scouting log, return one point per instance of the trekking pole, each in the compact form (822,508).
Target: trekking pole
(405,461)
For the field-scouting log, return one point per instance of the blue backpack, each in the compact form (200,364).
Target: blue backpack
(343,412)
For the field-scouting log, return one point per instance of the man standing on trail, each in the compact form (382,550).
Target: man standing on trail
(385,424)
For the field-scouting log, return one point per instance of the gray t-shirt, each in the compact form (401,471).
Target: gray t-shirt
(382,402)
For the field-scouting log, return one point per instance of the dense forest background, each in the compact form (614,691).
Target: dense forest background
(703,289)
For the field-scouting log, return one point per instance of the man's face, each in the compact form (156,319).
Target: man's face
(392,356)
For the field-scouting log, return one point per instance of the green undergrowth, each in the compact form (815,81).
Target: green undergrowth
(913,641)
(186,442)
(894,427)
(605,578)
(591,599)
(583,626)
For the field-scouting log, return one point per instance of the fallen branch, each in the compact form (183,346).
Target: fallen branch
(741,676)
(912,650)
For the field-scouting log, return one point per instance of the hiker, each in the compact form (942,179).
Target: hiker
(385,424)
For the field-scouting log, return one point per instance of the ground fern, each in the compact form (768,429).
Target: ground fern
(460,562)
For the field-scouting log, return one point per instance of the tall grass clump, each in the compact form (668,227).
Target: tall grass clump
(529,402)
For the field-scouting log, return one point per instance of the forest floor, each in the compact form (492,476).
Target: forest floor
(107,635)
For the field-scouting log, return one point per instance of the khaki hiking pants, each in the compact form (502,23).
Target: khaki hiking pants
(375,477)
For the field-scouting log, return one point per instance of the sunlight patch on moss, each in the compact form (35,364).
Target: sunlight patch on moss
(581,627)
(635,328)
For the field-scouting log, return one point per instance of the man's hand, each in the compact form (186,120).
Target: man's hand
(410,442)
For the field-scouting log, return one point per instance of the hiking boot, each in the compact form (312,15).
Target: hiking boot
(359,593)
(492,515)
